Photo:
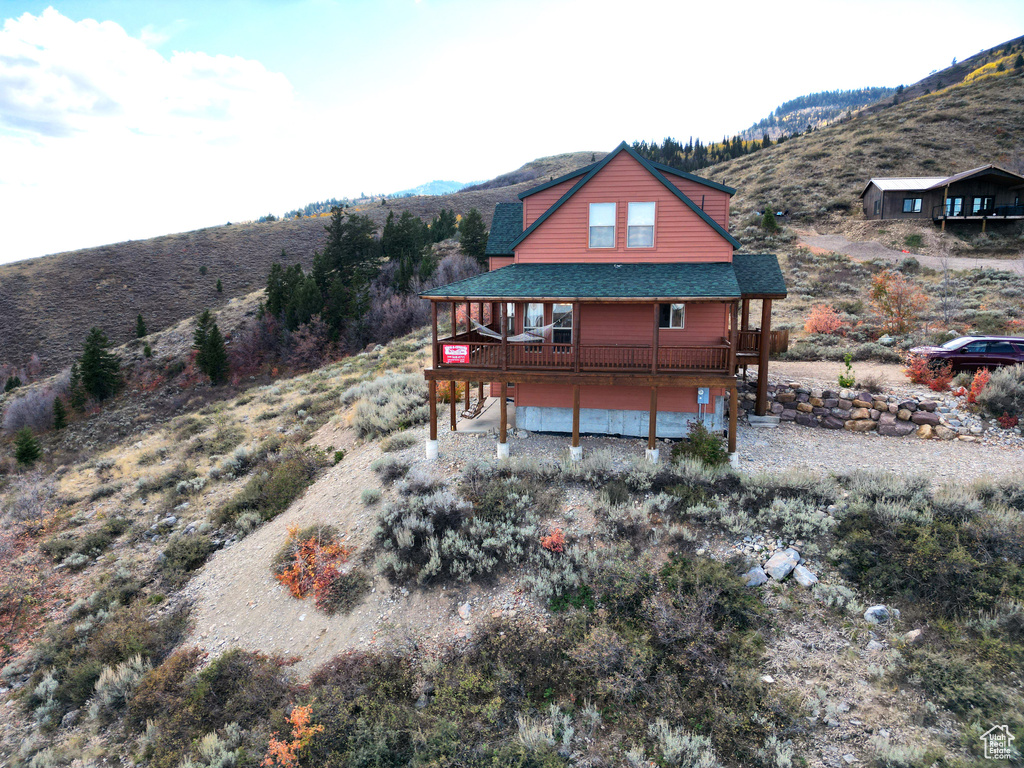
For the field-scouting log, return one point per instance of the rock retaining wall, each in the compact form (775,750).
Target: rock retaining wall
(858,411)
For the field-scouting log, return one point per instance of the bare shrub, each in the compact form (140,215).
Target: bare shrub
(30,496)
(1005,392)
(34,410)
(387,404)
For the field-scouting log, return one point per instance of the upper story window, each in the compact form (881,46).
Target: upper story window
(640,227)
(672,315)
(602,225)
(911,204)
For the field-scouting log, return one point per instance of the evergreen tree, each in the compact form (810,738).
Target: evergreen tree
(147,351)
(215,356)
(77,395)
(443,226)
(306,302)
(1018,63)
(13,382)
(473,235)
(60,414)
(26,448)
(140,327)
(99,369)
(203,323)
(768,222)
(220,286)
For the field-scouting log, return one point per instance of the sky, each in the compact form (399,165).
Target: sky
(129,119)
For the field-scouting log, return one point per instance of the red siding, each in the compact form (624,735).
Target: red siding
(679,233)
(497,262)
(716,203)
(706,323)
(675,399)
(535,205)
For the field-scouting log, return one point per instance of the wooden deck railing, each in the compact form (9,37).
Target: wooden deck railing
(750,342)
(592,357)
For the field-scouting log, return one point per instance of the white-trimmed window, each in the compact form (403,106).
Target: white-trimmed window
(533,320)
(510,318)
(602,225)
(640,226)
(561,317)
(911,204)
(672,316)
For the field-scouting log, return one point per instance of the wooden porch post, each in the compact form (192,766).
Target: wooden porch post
(745,317)
(576,337)
(455,326)
(433,324)
(734,406)
(652,426)
(452,401)
(504,339)
(945,198)
(468,387)
(764,346)
(432,440)
(734,339)
(479,393)
(503,424)
(654,345)
(575,452)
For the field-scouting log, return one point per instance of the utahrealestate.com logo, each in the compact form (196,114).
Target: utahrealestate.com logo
(998,743)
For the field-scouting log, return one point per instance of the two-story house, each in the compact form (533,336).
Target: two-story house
(615,304)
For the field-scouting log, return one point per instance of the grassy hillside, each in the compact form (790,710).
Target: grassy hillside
(818,176)
(47,305)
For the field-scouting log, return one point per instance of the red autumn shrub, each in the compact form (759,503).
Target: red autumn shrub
(555,541)
(979,383)
(823,319)
(1006,421)
(940,378)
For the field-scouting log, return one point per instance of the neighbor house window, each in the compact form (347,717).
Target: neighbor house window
(602,225)
(640,226)
(561,316)
(981,205)
(954,206)
(672,315)
(911,204)
(533,322)
(878,207)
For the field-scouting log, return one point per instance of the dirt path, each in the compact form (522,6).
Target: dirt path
(868,249)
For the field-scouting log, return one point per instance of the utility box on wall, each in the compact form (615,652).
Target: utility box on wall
(703,395)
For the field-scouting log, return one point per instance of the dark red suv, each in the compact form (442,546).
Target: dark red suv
(972,352)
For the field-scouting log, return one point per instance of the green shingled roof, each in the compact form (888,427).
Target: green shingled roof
(506,226)
(572,281)
(759,274)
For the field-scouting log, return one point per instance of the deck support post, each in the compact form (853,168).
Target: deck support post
(945,206)
(503,423)
(576,336)
(575,450)
(433,325)
(479,394)
(652,428)
(504,339)
(764,346)
(452,401)
(745,326)
(734,406)
(984,221)
(654,339)
(469,386)
(734,338)
(432,439)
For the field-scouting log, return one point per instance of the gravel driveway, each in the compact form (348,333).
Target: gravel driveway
(867,250)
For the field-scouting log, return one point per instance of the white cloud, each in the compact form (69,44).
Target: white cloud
(96,126)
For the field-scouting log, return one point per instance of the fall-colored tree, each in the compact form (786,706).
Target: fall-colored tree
(823,319)
(898,300)
(285,754)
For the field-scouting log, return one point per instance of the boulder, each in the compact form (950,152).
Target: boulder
(874,413)
(944,433)
(860,425)
(755,577)
(804,407)
(777,408)
(879,405)
(806,420)
(787,415)
(860,413)
(913,636)
(804,577)
(830,402)
(831,422)
(846,394)
(785,397)
(828,394)
(924,431)
(858,403)
(844,404)
(886,419)
(877,614)
(899,429)
(927,405)
(803,397)
(782,563)
(909,405)
(819,411)
(817,402)
(904,414)
(925,417)
(865,395)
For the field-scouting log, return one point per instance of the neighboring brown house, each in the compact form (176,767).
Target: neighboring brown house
(615,304)
(981,193)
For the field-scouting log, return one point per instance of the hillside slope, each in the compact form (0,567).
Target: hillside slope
(47,305)
(821,174)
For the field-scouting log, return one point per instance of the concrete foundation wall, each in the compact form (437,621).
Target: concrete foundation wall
(605,421)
